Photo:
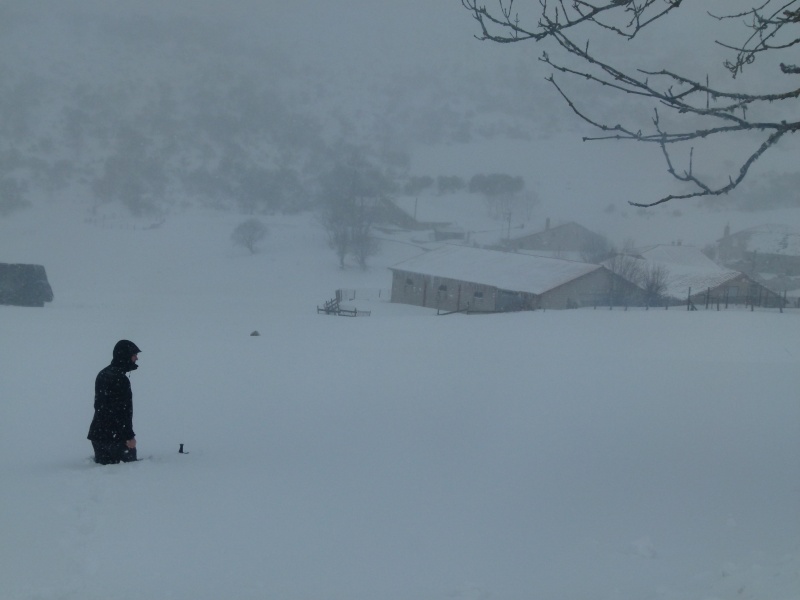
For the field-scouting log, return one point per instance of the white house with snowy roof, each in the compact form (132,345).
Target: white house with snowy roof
(690,274)
(462,278)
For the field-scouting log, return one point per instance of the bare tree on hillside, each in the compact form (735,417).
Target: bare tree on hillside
(363,243)
(350,197)
(686,110)
(249,233)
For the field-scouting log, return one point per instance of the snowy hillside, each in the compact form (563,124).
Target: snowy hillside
(154,105)
(560,454)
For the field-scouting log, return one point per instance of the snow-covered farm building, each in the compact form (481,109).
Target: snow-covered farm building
(691,275)
(462,278)
(769,253)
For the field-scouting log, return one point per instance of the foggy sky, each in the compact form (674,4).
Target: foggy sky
(377,66)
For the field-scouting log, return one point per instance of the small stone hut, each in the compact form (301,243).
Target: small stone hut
(24,285)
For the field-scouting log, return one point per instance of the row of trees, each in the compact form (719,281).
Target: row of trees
(491,184)
(351,193)
(252,136)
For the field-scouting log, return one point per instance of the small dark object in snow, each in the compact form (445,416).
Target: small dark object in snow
(180,450)
(254,333)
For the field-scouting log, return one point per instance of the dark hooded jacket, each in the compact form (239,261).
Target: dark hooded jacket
(113,400)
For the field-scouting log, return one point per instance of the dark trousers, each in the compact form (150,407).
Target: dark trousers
(112,453)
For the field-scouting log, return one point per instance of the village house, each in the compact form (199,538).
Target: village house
(761,249)
(569,241)
(24,285)
(462,278)
(768,253)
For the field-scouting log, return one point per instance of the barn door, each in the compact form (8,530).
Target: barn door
(508,301)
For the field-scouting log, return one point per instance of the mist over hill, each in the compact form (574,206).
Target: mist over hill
(152,110)
(155,108)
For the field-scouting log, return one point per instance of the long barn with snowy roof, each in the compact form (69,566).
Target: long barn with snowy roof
(455,278)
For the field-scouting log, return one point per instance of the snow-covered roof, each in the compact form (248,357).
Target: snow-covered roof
(683,256)
(687,267)
(503,270)
(679,283)
(572,255)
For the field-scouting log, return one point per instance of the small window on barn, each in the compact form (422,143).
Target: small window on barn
(443,288)
(409,281)
(478,297)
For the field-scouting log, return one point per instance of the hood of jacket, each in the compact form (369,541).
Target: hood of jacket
(123,351)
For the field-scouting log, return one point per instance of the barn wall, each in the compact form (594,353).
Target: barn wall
(450,294)
(739,291)
(441,292)
(590,290)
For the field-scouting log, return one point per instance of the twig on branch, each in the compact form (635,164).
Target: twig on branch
(725,112)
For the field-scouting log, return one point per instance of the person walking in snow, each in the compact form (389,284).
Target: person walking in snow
(111,431)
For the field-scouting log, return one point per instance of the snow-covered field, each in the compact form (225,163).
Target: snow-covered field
(555,455)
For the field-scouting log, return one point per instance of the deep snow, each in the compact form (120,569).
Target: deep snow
(560,454)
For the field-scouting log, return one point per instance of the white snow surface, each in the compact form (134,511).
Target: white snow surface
(601,454)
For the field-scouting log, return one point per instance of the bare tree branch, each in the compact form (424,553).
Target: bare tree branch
(766,31)
(724,112)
